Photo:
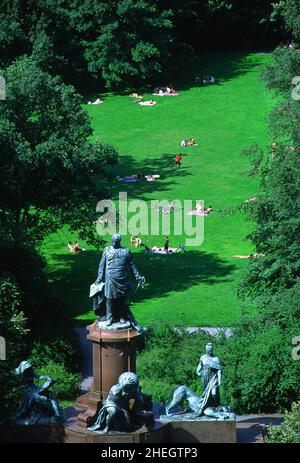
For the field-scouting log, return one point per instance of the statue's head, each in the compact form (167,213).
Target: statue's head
(209,348)
(116,241)
(129,381)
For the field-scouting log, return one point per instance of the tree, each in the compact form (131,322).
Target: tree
(260,352)
(41,28)
(276,213)
(125,41)
(52,173)
(290,10)
(13,328)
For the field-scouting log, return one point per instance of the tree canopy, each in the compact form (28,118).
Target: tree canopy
(48,162)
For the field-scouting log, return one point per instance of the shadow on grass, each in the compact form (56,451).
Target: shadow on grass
(73,274)
(224,66)
(163,165)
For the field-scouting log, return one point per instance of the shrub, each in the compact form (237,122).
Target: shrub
(259,373)
(11,394)
(170,358)
(57,351)
(289,431)
(12,319)
(67,383)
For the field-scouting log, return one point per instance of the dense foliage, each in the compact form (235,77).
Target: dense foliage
(128,42)
(289,431)
(276,213)
(170,359)
(260,374)
(261,350)
(14,330)
(48,162)
(54,175)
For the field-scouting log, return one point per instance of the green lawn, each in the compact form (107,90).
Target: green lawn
(196,288)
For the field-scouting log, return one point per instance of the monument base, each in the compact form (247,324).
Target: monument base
(200,430)
(182,432)
(33,434)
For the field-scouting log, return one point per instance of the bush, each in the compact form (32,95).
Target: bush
(170,359)
(57,351)
(12,319)
(259,373)
(11,394)
(289,431)
(57,359)
(67,383)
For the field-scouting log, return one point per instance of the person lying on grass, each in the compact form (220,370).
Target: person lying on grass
(248,256)
(208,80)
(156,250)
(149,178)
(139,176)
(152,178)
(208,210)
(199,210)
(254,198)
(98,101)
(135,95)
(147,103)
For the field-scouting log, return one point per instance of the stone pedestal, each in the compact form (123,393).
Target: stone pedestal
(201,430)
(114,352)
(155,433)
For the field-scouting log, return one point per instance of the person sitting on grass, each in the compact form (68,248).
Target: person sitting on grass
(77,248)
(136,241)
(192,142)
(170,89)
(132,239)
(183,143)
(70,246)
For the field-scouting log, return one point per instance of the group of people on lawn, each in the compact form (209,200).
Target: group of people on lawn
(165,249)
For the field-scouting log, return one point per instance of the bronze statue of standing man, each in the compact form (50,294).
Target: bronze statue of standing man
(115,267)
